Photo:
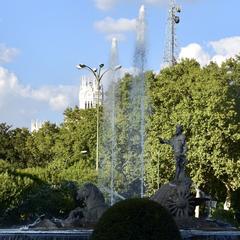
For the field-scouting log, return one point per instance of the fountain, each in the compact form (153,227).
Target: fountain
(138,90)
(176,196)
(121,166)
(77,225)
(108,146)
(113,63)
(117,158)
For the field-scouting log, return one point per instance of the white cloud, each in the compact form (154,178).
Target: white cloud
(109,4)
(219,59)
(7,54)
(222,49)
(57,97)
(18,101)
(227,47)
(166,2)
(195,51)
(8,83)
(116,27)
(53,95)
(59,102)
(154,2)
(106,4)
(110,25)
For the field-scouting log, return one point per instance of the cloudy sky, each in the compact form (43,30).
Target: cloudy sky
(41,41)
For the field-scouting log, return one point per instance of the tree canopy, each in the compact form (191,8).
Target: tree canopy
(205,100)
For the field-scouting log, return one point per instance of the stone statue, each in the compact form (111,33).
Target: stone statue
(178,143)
(176,195)
(87,216)
(94,201)
(41,223)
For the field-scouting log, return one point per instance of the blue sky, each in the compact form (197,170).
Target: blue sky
(41,41)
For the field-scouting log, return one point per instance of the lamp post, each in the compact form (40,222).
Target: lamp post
(98,75)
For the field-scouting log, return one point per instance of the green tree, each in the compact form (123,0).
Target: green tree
(13,145)
(77,137)
(199,99)
(40,145)
(20,152)
(5,139)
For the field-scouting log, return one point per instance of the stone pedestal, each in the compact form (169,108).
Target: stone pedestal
(176,197)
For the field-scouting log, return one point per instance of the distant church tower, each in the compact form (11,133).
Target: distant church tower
(36,125)
(88,93)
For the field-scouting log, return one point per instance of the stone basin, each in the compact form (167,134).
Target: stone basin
(209,235)
(17,234)
(83,234)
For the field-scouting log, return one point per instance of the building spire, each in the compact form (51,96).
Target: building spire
(88,93)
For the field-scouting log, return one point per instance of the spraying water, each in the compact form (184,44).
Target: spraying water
(122,162)
(113,62)
(140,62)
(140,50)
(138,97)
(108,160)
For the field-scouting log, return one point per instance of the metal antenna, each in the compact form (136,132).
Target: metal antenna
(170,44)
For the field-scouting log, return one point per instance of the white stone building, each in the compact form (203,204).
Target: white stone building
(88,93)
(36,125)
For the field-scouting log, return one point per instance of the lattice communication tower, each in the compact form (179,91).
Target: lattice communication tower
(170,44)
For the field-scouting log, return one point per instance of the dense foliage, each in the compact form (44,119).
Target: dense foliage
(35,168)
(138,219)
(205,101)
(39,171)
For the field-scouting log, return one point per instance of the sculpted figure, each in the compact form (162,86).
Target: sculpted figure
(87,216)
(178,143)
(94,201)
(94,206)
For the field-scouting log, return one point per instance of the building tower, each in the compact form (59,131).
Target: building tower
(170,42)
(36,125)
(88,93)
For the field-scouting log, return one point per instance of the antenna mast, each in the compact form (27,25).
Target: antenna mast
(170,45)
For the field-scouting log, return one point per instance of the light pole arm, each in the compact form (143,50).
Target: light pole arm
(109,69)
(100,76)
(91,70)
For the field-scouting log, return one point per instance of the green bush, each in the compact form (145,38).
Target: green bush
(55,201)
(225,216)
(26,194)
(136,219)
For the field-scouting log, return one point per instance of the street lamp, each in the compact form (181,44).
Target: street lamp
(98,74)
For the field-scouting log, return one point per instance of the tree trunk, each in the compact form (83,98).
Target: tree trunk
(197,208)
(227,203)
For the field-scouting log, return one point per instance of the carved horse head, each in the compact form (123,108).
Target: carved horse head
(91,195)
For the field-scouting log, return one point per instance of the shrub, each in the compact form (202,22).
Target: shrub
(225,216)
(24,196)
(136,219)
(54,201)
